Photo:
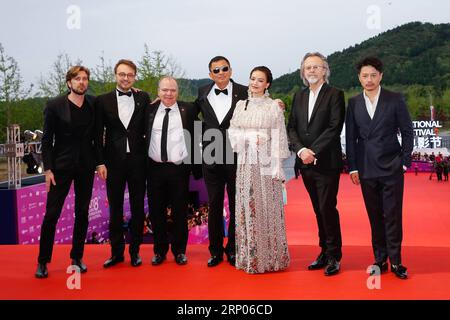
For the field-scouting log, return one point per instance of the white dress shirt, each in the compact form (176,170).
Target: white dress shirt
(176,145)
(221,103)
(125,107)
(371,107)
(311,103)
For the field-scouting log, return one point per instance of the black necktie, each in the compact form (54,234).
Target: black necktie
(218,91)
(124,93)
(165,126)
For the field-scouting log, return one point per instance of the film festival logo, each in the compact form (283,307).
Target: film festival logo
(426,134)
(74,19)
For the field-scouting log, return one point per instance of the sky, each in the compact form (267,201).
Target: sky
(248,32)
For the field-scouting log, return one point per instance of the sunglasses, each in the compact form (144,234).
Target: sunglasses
(218,69)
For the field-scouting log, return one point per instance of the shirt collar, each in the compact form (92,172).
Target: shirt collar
(228,87)
(318,90)
(376,97)
(162,107)
(117,93)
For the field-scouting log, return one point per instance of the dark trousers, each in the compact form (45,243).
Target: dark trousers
(168,185)
(322,188)
(131,173)
(383,198)
(217,177)
(83,181)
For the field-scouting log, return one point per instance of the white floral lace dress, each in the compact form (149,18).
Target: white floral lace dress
(258,134)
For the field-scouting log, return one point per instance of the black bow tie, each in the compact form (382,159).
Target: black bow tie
(124,93)
(218,91)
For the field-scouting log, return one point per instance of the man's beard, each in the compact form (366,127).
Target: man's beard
(79,92)
(312,79)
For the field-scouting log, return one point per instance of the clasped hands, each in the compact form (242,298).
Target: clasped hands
(308,156)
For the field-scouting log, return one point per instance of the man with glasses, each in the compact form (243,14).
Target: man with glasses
(314,128)
(120,145)
(216,101)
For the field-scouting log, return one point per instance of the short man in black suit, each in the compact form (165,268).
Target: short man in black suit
(120,146)
(377,160)
(68,155)
(217,101)
(172,151)
(314,128)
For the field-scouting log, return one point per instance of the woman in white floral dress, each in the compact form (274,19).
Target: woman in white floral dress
(258,135)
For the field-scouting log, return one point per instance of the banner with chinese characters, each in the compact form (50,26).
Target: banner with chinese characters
(426,134)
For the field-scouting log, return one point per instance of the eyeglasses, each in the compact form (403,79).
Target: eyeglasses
(218,69)
(124,75)
(315,68)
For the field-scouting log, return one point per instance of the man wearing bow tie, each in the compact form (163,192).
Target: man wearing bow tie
(170,146)
(216,102)
(120,145)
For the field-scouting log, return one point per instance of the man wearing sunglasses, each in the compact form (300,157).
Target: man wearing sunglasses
(216,101)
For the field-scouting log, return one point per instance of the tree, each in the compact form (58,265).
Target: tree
(146,71)
(54,83)
(11,83)
(103,76)
(155,64)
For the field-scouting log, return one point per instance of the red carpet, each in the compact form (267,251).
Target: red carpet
(426,253)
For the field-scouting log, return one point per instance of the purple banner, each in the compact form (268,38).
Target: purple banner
(421,166)
(31,203)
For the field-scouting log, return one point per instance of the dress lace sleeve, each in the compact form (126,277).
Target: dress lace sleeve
(236,132)
(279,142)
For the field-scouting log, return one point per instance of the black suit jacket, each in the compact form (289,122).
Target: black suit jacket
(60,151)
(192,137)
(322,133)
(210,121)
(111,135)
(372,145)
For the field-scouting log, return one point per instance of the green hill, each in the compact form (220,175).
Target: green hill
(414,53)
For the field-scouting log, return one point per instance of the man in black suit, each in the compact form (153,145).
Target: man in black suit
(172,150)
(120,146)
(314,128)
(217,101)
(68,155)
(377,160)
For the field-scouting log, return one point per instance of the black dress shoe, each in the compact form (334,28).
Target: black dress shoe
(181,259)
(80,264)
(333,266)
(41,271)
(214,261)
(231,257)
(319,263)
(113,261)
(158,259)
(136,260)
(399,270)
(380,267)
